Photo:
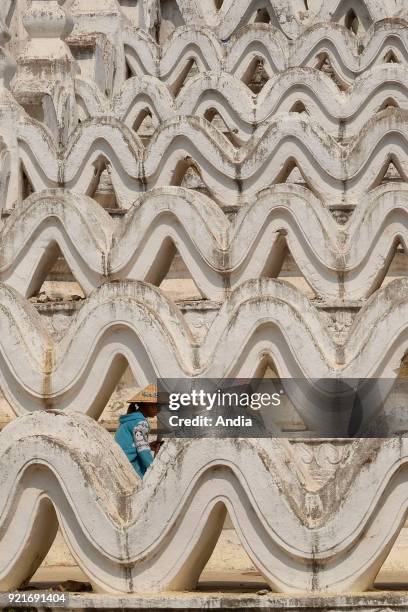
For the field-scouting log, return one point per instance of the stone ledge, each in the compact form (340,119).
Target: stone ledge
(387,601)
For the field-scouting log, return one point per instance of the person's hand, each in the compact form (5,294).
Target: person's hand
(155,446)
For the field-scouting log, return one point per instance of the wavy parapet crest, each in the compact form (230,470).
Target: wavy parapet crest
(350,262)
(349,56)
(81,478)
(133,324)
(333,172)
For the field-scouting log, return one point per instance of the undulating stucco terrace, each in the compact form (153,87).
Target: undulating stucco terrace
(210,189)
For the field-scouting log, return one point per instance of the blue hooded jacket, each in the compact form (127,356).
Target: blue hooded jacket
(132,438)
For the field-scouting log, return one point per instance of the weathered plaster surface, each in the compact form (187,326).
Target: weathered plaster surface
(208,189)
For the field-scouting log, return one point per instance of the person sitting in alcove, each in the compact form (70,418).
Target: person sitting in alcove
(132,434)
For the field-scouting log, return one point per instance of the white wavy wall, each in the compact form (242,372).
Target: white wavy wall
(199,188)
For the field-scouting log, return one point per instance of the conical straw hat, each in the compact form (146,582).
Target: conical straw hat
(148,395)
